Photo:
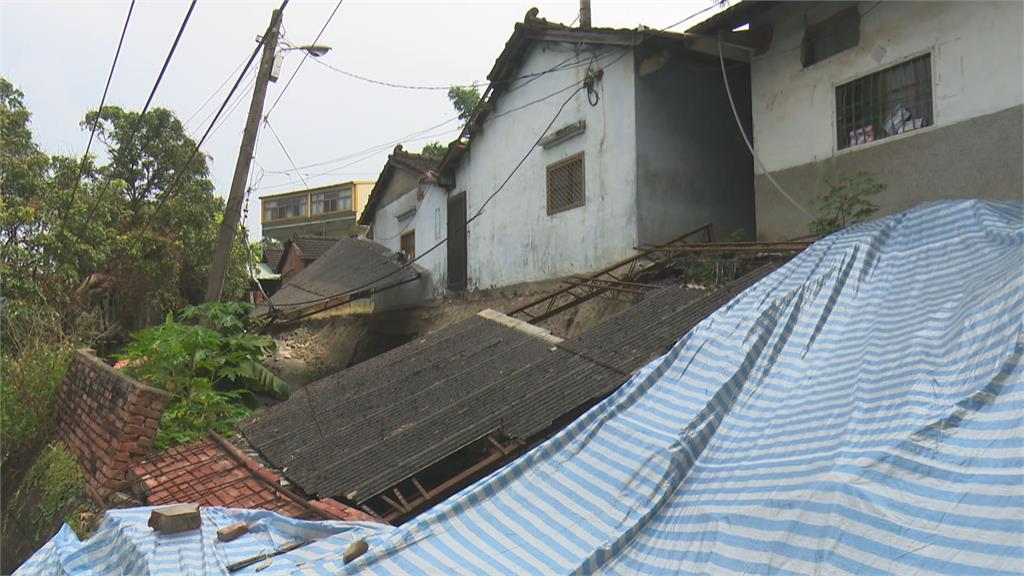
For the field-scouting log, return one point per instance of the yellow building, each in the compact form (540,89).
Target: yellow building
(331,211)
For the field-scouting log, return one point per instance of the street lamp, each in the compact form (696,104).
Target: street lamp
(314,50)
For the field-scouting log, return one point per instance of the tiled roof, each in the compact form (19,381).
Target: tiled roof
(211,472)
(350,264)
(272,256)
(312,247)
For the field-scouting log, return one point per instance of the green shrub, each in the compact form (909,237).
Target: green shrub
(33,360)
(845,203)
(56,479)
(210,364)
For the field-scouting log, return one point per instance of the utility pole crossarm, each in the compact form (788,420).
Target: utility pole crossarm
(233,210)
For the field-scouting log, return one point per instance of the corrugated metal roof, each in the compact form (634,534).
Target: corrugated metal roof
(362,430)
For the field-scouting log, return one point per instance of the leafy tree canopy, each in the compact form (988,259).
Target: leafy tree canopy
(464,99)
(134,234)
(435,150)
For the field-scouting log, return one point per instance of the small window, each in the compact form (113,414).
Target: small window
(408,245)
(884,104)
(566,184)
(284,208)
(838,32)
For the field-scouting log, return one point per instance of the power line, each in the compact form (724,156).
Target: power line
(96,121)
(476,215)
(362,158)
(690,17)
(167,61)
(198,145)
(428,87)
(746,140)
(305,55)
(266,120)
(385,145)
(411,137)
(152,92)
(213,94)
(395,84)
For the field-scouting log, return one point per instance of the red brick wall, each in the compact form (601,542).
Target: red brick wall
(107,419)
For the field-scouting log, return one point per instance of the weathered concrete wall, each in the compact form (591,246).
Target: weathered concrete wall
(107,419)
(515,240)
(977,55)
(692,164)
(978,158)
(427,217)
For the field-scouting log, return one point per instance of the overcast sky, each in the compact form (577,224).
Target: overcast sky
(59,54)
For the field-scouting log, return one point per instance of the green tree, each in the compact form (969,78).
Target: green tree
(136,229)
(434,150)
(845,203)
(464,99)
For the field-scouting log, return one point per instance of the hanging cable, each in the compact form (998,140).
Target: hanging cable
(739,124)
(138,120)
(195,149)
(213,94)
(266,121)
(691,16)
(96,123)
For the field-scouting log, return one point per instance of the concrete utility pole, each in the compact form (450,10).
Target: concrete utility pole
(233,211)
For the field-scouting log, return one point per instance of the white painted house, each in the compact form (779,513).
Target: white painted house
(928,96)
(406,213)
(647,152)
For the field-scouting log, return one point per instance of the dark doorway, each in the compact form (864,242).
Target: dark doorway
(457,241)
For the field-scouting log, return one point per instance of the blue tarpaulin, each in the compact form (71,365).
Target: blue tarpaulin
(859,410)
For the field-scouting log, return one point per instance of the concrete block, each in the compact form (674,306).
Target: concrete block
(177,518)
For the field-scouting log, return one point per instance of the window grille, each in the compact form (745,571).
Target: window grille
(566,184)
(408,245)
(884,104)
(284,208)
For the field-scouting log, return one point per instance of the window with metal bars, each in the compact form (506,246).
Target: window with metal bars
(886,103)
(566,184)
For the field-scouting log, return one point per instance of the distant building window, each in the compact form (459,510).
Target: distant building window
(408,245)
(284,208)
(332,201)
(566,184)
(884,104)
(839,32)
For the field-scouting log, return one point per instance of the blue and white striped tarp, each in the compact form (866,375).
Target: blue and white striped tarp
(860,410)
(125,544)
